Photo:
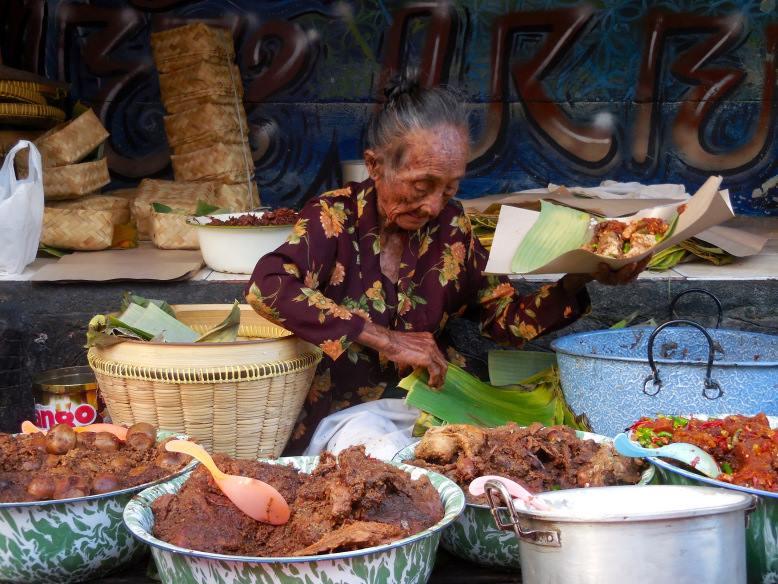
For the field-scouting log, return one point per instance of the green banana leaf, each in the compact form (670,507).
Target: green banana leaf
(227,330)
(464,399)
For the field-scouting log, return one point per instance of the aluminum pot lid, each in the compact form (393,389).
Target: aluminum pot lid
(636,503)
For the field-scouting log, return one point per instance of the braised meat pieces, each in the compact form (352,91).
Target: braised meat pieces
(63,464)
(537,457)
(347,503)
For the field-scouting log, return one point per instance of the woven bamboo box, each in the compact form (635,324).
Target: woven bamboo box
(233,139)
(171,231)
(179,195)
(203,80)
(120,206)
(75,180)
(235,197)
(208,121)
(70,142)
(77,229)
(180,47)
(226,163)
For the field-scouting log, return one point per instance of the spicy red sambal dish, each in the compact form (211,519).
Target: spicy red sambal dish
(746,448)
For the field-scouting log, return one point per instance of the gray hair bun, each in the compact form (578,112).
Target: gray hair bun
(409,107)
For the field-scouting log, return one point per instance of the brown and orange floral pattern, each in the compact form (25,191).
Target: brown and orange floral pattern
(326,282)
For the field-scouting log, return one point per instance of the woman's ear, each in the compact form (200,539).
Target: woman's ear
(373,164)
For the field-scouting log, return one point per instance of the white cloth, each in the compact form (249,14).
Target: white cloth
(610,189)
(384,426)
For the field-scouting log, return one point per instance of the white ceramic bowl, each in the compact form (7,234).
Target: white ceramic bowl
(237,250)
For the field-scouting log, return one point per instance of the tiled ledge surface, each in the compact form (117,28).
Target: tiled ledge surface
(761,267)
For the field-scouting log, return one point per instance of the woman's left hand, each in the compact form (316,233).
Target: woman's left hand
(573,283)
(624,275)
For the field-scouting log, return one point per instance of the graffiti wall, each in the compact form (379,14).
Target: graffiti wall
(559,91)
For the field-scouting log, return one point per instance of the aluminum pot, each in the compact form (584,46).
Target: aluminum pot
(610,535)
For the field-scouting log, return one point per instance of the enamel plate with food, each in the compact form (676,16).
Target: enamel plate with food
(234,242)
(537,457)
(350,518)
(561,239)
(81,478)
(745,448)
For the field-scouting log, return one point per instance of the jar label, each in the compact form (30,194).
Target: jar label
(69,413)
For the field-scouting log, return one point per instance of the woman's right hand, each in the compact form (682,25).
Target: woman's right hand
(407,350)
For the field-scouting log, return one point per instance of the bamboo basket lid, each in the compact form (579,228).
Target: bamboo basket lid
(20,91)
(33,115)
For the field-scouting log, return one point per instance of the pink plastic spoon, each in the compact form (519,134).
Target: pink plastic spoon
(515,490)
(256,499)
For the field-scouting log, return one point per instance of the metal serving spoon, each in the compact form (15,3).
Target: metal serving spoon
(119,431)
(256,499)
(689,454)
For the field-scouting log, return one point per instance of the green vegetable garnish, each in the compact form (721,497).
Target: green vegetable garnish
(726,468)
(679,422)
(645,437)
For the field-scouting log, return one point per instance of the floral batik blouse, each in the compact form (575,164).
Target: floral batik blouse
(325,282)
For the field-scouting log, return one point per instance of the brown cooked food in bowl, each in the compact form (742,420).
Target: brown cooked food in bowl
(63,464)
(281,216)
(347,503)
(537,457)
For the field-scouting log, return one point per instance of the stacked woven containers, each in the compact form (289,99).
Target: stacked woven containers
(207,130)
(76,217)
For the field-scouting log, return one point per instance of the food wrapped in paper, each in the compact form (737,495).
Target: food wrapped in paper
(75,180)
(180,47)
(226,163)
(527,242)
(208,121)
(77,229)
(70,142)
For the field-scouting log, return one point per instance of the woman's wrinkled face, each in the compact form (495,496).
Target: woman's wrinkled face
(418,174)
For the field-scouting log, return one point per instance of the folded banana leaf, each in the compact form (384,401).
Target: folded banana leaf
(151,321)
(507,367)
(464,399)
(557,230)
(130,298)
(227,330)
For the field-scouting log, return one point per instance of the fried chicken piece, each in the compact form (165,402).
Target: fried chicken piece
(442,444)
(357,535)
(606,468)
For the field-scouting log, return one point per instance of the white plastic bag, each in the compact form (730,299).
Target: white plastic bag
(21,211)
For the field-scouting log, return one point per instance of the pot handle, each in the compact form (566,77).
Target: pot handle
(698,291)
(499,500)
(654,378)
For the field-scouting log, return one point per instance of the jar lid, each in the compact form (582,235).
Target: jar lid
(66,380)
(636,503)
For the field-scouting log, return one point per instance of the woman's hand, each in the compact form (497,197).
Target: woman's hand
(407,350)
(604,275)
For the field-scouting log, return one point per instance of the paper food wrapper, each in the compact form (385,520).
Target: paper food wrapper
(707,208)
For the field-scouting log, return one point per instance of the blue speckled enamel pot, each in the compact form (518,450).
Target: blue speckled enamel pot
(606,375)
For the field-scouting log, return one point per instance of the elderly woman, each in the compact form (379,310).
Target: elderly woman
(373,271)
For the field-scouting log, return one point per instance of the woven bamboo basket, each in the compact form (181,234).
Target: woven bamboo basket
(229,163)
(187,45)
(240,398)
(205,122)
(171,231)
(70,142)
